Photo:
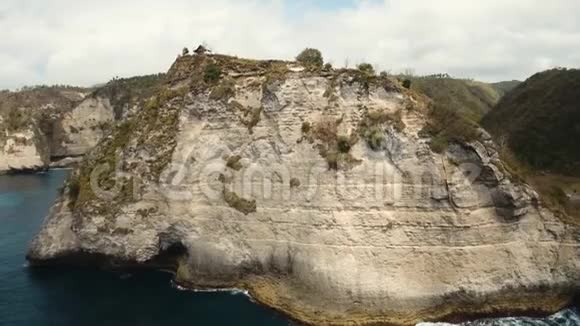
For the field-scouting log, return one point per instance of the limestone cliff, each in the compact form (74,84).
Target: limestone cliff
(22,150)
(319,193)
(63,123)
(82,128)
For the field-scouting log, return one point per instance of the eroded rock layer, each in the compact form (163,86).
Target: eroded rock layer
(319,193)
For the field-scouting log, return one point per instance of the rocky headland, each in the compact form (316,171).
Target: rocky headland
(320,192)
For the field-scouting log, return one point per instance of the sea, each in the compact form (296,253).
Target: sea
(87,297)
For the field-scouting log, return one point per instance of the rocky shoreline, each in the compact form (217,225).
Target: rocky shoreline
(65,163)
(535,303)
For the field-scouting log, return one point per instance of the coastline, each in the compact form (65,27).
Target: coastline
(265,291)
(270,292)
(52,166)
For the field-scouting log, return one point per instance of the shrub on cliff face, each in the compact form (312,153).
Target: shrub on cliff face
(367,68)
(74,189)
(372,126)
(16,119)
(343,143)
(294,183)
(212,73)
(238,203)
(335,148)
(233,162)
(310,58)
(375,137)
(223,91)
(306,127)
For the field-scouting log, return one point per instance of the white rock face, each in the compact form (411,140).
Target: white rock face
(22,151)
(74,131)
(84,127)
(399,234)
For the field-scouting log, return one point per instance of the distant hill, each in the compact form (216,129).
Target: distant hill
(124,93)
(15,107)
(540,121)
(471,99)
(505,86)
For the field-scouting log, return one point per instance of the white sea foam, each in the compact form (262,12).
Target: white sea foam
(568,317)
(232,291)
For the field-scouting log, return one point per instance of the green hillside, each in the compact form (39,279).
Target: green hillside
(540,121)
(538,126)
(457,107)
(471,99)
(505,86)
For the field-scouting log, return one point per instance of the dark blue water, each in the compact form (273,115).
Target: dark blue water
(63,297)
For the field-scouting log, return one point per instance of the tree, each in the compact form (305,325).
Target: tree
(185,51)
(212,73)
(311,58)
(367,68)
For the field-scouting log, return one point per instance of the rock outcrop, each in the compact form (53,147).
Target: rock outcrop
(22,150)
(83,127)
(63,123)
(316,191)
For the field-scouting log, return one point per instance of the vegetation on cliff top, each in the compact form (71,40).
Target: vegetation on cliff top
(311,58)
(127,92)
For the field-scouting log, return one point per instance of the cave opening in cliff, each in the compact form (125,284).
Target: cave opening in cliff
(169,255)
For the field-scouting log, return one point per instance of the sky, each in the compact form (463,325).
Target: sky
(84,43)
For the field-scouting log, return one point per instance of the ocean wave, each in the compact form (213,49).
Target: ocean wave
(232,291)
(568,317)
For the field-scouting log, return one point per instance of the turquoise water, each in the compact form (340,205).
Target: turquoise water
(63,297)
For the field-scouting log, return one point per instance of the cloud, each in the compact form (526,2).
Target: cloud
(88,42)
